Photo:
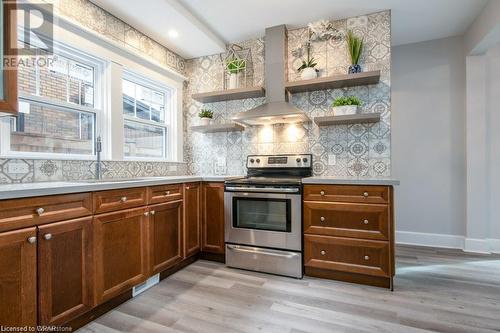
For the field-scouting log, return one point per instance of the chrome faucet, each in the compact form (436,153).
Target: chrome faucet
(98,150)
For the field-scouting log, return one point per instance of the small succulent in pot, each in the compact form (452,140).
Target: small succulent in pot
(355,48)
(348,105)
(205,116)
(307,70)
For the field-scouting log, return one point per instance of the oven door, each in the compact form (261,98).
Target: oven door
(270,220)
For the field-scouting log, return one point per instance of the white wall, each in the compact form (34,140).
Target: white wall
(428,141)
(484,32)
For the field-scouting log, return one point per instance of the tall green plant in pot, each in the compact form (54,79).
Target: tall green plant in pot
(234,67)
(355,48)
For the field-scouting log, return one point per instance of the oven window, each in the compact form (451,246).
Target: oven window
(262,214)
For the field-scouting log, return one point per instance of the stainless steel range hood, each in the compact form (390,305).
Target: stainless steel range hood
(276,110)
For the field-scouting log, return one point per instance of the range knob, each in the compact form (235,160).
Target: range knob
(304,160)
(298,160)
(252,160)
(257,160)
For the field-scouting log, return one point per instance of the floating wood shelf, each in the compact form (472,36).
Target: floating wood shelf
(359,118)
(217,128)
(334,82)
(230,94)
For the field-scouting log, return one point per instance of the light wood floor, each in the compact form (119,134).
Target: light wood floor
(435,290)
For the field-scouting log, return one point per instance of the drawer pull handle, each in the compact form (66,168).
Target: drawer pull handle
(323,253)
(367,258)
(167,192)
(153,212)
(146,213)
(322,219)
(322,193)
(366,222)
(47,236)
(40,211)
(123,199)
(32,240)
(365,194)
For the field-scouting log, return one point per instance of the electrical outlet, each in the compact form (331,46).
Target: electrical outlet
(332,159)
(18,168)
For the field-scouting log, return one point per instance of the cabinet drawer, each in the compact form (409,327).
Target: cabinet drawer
(164,193)
(347,193)
(20,213)
(346,220)
(347,255)
(108,201)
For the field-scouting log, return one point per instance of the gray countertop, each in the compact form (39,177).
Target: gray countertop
(350,181)
(11,191)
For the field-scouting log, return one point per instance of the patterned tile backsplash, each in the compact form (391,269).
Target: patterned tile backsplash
(358,150)
(27,170)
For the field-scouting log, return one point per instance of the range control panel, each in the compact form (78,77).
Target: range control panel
(279,161)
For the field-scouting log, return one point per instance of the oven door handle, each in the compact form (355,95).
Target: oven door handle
(262,189)
(261,251)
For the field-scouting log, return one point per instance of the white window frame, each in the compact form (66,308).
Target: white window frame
(100,79)
(169,122)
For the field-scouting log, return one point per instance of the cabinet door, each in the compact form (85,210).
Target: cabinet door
(120,252)
(192,219)
(166,235)
(65,272)
(213,218)
(18,278)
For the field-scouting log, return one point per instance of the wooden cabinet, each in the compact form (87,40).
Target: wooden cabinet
(164,193)
(165,235)
(192,219)
(27,212)
(8,77)
(120,251)
(349,233)
(18,278)
(65,270)
(114,200)
(213,218)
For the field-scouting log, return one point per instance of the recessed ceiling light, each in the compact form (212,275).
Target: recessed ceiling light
(173,33)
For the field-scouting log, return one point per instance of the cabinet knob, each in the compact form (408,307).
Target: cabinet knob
(47,236)
(32,240)
(322,219)
(365,222)
(40,211)
(153,212)
(187,187)
(167,192)
(323,252)
(146,213)
(123,199)
(367,258)
(365,194)
(322,193)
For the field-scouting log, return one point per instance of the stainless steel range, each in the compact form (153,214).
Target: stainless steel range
(263,215)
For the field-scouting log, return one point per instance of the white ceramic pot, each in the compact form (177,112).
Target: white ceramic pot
(308,73)
(205,121)
(234,81)
(345,110)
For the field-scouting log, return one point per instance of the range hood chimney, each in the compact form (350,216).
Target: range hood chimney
(276,110)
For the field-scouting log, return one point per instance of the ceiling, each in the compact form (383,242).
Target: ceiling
(204,27)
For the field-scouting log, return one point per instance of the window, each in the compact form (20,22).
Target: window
(59,107)
(147,112)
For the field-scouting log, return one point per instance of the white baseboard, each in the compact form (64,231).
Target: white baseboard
(434,240)
(448,241)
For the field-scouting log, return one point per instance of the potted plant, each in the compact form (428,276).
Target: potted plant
(355,48)
(234,67)
(307,70)
(348,105)
(205,117)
